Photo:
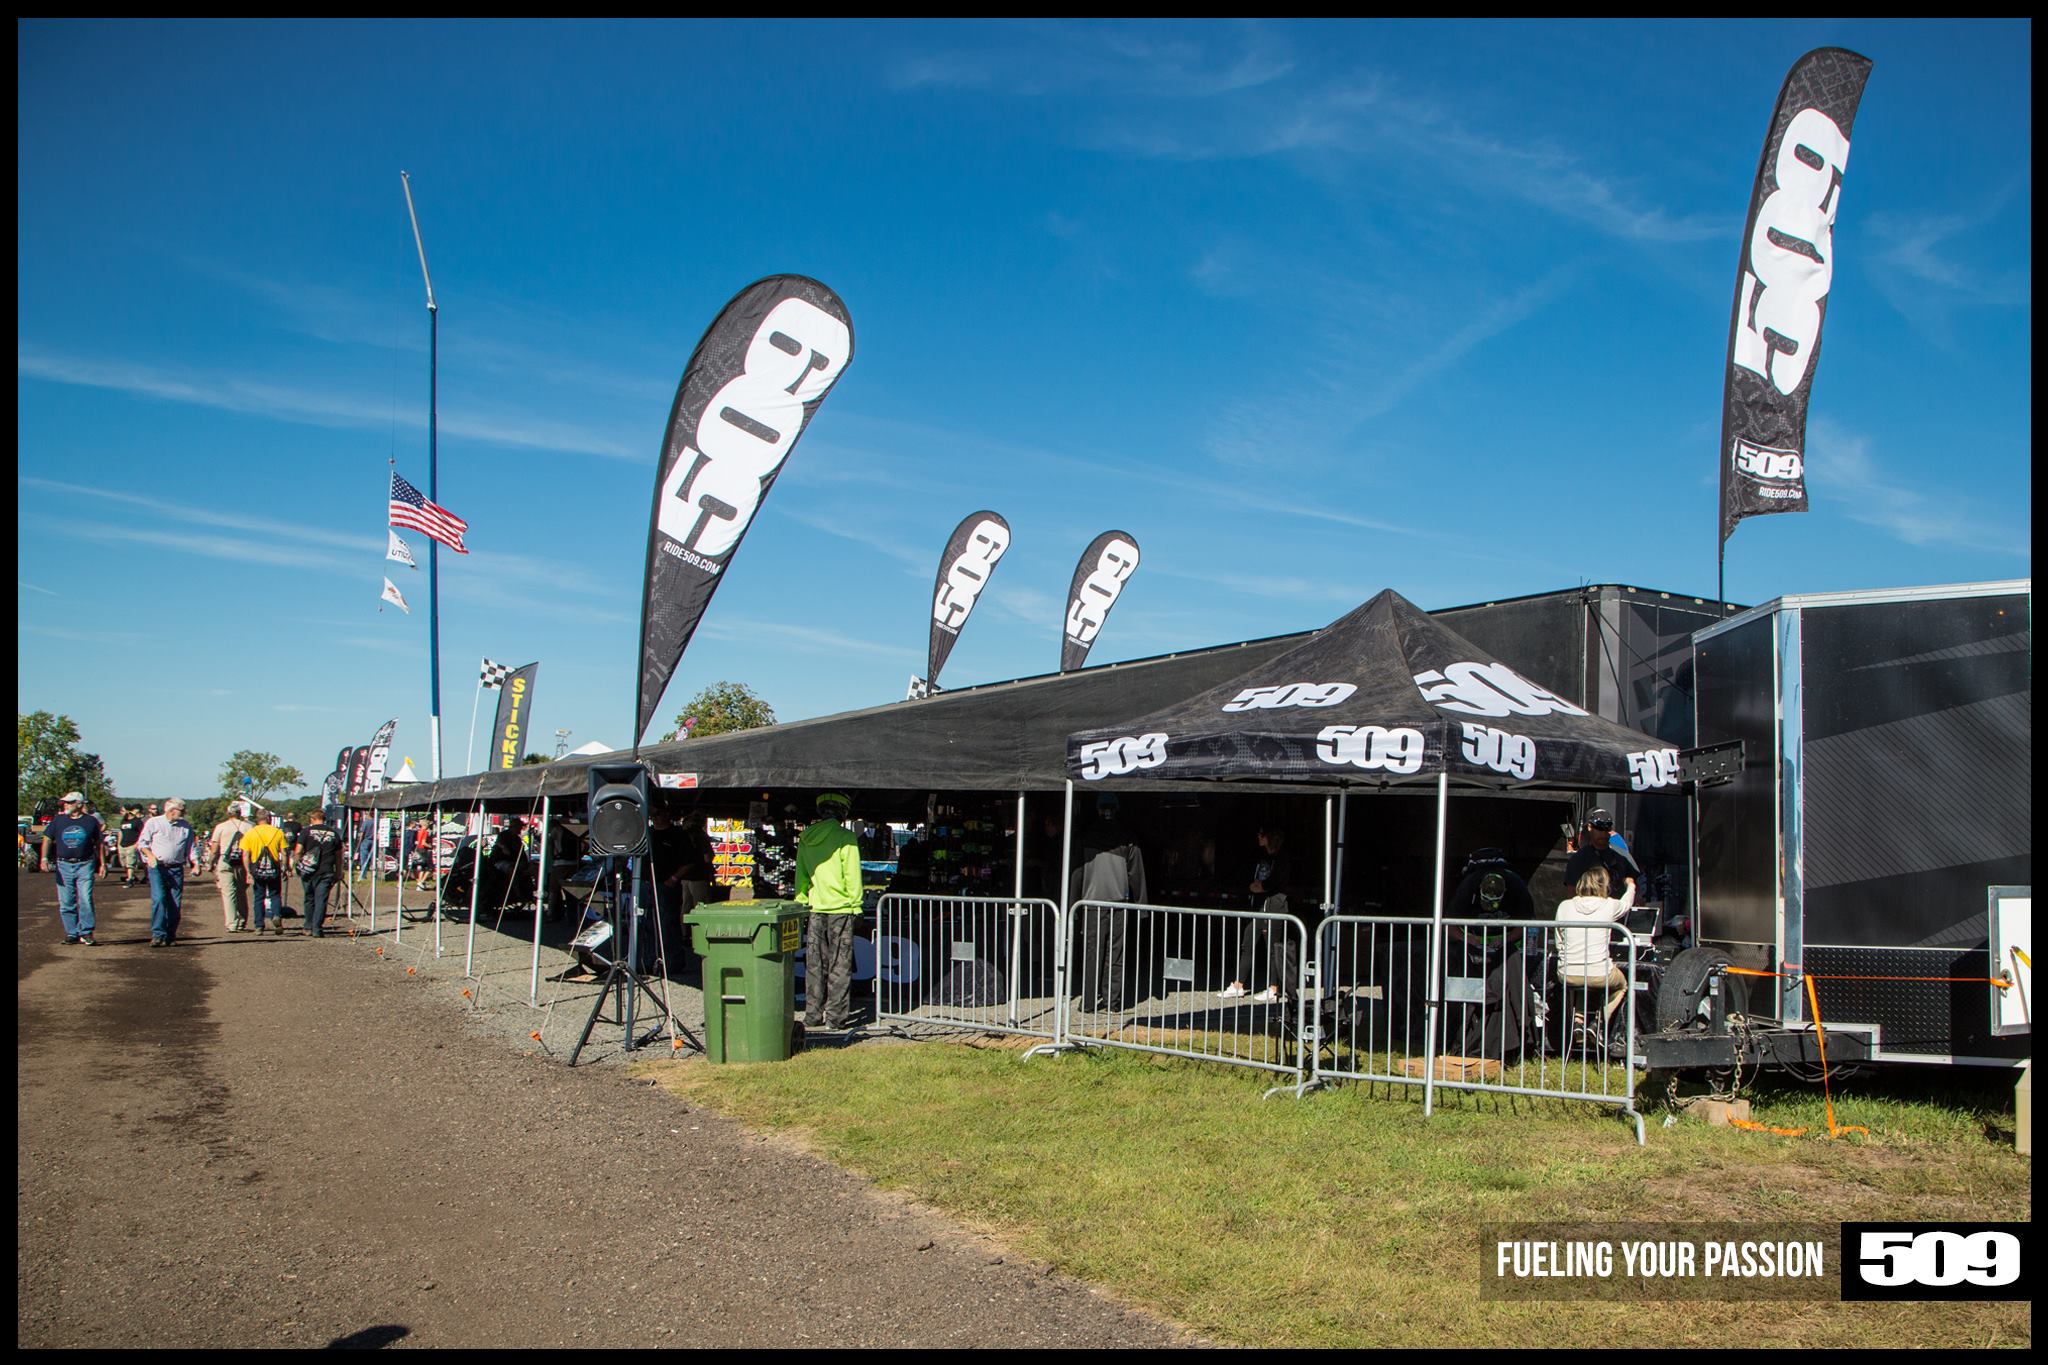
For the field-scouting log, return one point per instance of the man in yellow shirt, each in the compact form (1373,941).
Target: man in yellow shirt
(263,854)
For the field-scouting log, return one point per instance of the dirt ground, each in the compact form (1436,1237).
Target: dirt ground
(241,1141)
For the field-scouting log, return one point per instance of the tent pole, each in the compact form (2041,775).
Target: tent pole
(540,899)
(1343,837)
(434,853)
(1436,940)
(377,856)
(476,876)
(1017,920)
(1329,849)
(1060,963)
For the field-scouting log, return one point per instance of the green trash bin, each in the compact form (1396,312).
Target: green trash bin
(749,950)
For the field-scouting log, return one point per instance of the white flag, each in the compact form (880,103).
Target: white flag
(395,597)
(399,551)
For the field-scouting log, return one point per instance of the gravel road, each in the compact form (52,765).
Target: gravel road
(243,1141)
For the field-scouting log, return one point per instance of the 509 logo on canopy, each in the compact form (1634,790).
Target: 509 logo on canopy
(1114,757)
(1499,750)
(1291,694)
(1476,689)
(1653,768)
(1373,747)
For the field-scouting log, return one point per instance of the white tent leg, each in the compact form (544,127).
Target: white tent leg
(1017,923)
(476,876)
(1061,966)
(434,852)
(376,857)
(540,901)
(1436,942)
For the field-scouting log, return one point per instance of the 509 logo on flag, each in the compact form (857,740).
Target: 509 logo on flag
(972,552)
(1106,565)
(750,390)
(749,425)
(1114,757)
(1476,689)
(1291,694)
(1372,746)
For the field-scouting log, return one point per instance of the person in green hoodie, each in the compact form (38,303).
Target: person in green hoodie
(828,881)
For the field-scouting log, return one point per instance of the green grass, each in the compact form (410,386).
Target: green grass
(1345,1219)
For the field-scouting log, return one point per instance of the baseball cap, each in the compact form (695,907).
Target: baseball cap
(69,797)
(1601,818)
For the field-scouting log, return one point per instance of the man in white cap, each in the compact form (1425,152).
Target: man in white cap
(75,837)
(166,845)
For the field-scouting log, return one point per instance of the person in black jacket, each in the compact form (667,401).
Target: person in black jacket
(1111,872)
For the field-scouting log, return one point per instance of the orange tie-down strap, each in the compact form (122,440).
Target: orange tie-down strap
(1836,1130)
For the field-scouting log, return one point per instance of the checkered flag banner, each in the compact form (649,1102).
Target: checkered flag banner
(494,675)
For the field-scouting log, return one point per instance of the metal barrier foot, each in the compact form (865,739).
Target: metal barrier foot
(1298,1089)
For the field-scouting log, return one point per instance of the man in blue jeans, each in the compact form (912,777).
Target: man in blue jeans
(74,838)
(166,844)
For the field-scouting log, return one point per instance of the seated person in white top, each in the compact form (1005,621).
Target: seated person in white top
(1584,960)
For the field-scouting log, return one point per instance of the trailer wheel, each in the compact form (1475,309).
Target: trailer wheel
(1682,996)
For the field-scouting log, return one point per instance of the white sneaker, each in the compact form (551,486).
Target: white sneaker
(1231,992)
(1267,996)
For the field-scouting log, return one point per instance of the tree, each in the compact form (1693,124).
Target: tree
(532,759)
(266,773)
(51,764)
(721,709)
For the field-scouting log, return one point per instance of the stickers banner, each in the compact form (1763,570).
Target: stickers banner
(1106,565)
(380,753)
(732,851)
(964,570)
(750,389)
(1781,287)
(515,717)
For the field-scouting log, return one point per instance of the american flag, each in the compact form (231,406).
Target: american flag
(411,510)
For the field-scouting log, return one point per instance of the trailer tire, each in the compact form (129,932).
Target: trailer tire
(1682,994)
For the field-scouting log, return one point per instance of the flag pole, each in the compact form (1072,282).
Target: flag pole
(433,481)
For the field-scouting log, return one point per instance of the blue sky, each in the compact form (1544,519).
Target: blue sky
(1311,310)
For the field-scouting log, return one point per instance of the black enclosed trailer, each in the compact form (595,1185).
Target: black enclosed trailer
(1879,808)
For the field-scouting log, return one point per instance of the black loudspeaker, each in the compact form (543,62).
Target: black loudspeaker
(618,810)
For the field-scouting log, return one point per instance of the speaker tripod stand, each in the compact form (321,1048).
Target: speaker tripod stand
(623,983)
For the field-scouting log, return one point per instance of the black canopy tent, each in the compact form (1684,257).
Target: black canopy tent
(1011,737)
(1383,697)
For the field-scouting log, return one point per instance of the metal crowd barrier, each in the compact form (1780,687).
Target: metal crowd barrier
(1149,977)
(988,963)
(1511,1019)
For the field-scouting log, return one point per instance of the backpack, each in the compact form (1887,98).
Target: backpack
(233,856)
(266,864)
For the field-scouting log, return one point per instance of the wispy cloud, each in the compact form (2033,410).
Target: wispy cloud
(97,637)
(47,592)
(805,639)
(1046,58)
(286,404)
(1925,267)
(1841,467)
(206,516)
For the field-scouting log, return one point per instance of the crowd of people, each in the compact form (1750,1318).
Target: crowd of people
(252,856)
